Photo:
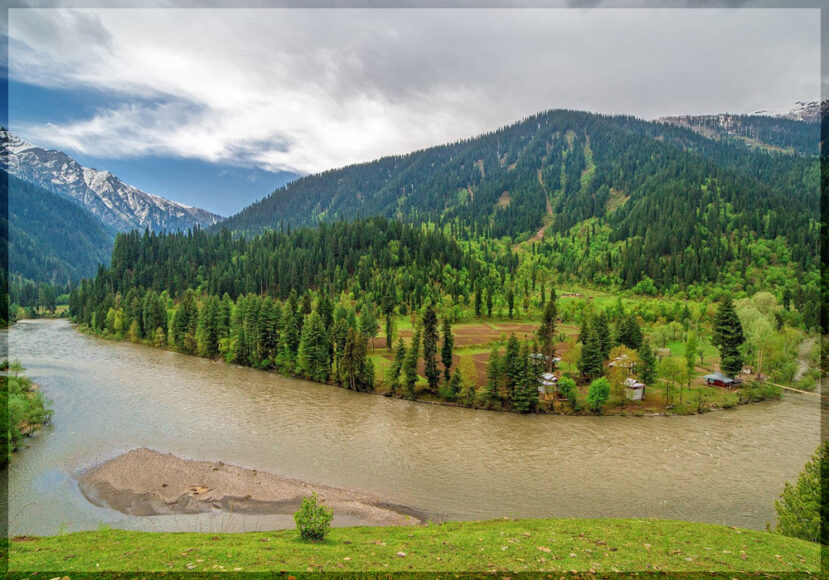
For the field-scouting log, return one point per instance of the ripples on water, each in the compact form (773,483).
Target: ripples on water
(724,467)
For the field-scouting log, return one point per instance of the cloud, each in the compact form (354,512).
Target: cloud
(307,90)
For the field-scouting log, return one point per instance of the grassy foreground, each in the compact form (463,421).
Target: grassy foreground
(548,545)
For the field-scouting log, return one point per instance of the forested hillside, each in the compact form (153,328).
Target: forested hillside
(51,239)
(669,205)
(761,131)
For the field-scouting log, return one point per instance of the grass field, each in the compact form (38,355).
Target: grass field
(550,545)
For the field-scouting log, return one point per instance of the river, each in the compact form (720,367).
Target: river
(724,467)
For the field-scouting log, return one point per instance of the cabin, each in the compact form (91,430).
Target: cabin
(634,390)
(720,380)
(547,383)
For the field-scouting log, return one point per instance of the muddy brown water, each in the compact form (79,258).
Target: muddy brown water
(453,463)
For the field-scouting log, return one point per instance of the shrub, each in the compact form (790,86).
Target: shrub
(598,394)
(312,519)
(800,512)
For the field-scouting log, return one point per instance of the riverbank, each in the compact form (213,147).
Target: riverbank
(143,482)
(698,399)
(602,546)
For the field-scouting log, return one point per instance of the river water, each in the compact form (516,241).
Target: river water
(453,463)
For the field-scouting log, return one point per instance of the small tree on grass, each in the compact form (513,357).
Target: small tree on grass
(800,511)
(598,394)
(312,519)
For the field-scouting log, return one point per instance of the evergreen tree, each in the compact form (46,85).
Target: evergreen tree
(728,337)
(630,333)
(647,364)
(313,358)
(447,348)
(494,375)
(547,334)
(513,369)
(690,359)
(602,328)
(430,348)
(397,366)
(410,364)
(592,359)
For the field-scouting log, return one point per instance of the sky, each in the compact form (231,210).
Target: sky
(217,107)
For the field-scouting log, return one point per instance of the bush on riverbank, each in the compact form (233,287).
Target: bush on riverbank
(27,409)
(312,519)
(801,511)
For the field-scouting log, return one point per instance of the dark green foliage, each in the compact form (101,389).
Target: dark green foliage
(495,376)
(666,205)
(513,366)
(728,337)
(51,239)
(601,326)
(547,333)
(397,366)
(312,519)
(592,359)
(410,365)
(630,333)
(647,364)
(313,353)
(447,348)
(430,348)
(802,510)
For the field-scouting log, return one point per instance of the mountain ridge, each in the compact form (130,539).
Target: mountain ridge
(115,203)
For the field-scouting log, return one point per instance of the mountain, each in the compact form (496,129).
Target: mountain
(51,239)
(796,132)
(112,201)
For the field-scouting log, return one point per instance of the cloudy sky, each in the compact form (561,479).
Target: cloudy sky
(216,107)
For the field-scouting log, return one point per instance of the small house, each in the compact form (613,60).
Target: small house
(547,383)
(720,380)
(634,390)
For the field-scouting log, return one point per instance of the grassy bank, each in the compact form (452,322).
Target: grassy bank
(550,545)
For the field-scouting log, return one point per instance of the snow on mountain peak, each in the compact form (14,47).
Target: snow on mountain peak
(114,202)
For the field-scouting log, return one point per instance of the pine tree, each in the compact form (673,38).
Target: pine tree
(690,359)
(313,349)
(397,366)
(728,337)
(447,348)
(547,334)
(591,362)
(647,364)
(430,348)
(630,333)
(410,364)
(494,374)
(602,328)
(512,365)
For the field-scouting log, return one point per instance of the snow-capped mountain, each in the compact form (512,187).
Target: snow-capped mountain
(808,111)
(114,202)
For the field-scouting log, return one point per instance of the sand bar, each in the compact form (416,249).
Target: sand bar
(143,482)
